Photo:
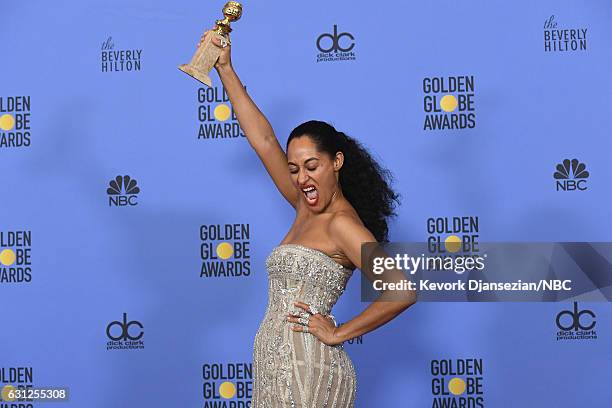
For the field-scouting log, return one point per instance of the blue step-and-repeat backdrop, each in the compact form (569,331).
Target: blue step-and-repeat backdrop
(135,219)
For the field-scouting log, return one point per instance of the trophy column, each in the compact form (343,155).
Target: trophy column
(203,60)
(207,53)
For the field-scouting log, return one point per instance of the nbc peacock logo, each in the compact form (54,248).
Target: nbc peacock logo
(571,175)
(15,121)
(216,118)
(122,191)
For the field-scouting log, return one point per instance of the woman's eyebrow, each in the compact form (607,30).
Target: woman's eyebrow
(307,160)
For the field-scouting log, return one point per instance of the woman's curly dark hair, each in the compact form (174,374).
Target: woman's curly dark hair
(364,183)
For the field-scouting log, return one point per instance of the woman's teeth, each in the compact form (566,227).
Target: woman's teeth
(311,194)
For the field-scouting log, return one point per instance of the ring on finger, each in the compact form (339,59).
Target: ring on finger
(304,321)
(314,310)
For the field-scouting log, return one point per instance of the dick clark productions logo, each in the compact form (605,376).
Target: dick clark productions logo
(124,334)
(576,324)
(335,46)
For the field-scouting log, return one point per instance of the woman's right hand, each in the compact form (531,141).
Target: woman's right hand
(225,57)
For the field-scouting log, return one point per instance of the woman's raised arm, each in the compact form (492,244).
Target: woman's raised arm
(256,127)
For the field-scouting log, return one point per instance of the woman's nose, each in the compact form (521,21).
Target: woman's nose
(302,177)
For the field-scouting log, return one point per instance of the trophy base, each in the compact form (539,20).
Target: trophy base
(194,73)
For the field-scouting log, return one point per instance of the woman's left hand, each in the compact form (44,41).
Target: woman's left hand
(322,327)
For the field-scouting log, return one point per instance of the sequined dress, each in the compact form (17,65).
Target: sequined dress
(295,369)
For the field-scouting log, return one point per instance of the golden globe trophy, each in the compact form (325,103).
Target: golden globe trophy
(207,53)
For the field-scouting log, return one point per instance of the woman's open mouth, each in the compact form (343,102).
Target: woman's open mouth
(311,194)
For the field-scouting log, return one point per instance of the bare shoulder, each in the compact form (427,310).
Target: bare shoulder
(344,220)
(348,232)
(347,229)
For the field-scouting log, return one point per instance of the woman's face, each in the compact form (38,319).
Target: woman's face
(312,172)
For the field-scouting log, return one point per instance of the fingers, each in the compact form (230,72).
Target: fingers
(313,326)
(302,305)
(216,40)
(314,321)
(220,42)
(299,314)
(310,328)
(302,319)
(203,37)
(295,318)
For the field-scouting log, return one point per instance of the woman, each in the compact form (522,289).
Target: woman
(341,199)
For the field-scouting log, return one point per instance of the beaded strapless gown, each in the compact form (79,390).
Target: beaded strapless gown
(295,369)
